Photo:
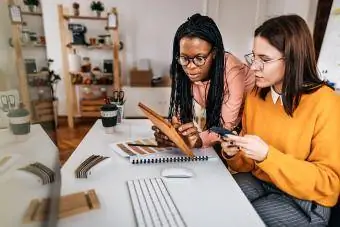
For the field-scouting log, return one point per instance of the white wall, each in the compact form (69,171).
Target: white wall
(329,59)
(147,28)
(237,20)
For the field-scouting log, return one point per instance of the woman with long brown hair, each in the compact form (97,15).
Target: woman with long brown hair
(288,154)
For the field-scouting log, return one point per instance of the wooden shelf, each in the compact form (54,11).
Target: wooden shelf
(91,47)
(32,14)
(33,45)
(67,17)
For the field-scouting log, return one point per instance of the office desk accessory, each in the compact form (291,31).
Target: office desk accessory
(172,155)
(136,147)
(167,128)
(69,205)
(221,131)
(152,203)
(203,200)
(46,175)
(177,172)
(84,169)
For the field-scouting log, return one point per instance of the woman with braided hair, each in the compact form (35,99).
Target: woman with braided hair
(204,74)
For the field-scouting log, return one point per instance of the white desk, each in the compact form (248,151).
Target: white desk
(211,198)
(18,188)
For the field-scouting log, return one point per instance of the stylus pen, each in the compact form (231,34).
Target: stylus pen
(142,145)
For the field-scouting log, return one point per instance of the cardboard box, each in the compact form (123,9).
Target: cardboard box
(140,78)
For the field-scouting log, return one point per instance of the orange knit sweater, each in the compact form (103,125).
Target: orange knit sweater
(304,150)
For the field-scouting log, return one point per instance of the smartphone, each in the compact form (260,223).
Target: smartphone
(221,131)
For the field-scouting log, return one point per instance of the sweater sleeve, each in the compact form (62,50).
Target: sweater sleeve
(317,177)
(239,162)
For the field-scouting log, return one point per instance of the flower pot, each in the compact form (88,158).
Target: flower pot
(76,12)
(32,8)
(98,13)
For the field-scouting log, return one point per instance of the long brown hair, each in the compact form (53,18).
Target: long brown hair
(291,36)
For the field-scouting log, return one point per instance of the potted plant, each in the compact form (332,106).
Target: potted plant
(52,81)
(98,7)
(75,7)
(32,5)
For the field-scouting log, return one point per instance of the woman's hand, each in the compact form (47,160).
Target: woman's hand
(229,149)
(188,131)
(252,146)
(161,139)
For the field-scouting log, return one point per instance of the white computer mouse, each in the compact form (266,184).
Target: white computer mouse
(177,172)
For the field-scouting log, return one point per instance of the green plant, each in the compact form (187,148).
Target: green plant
(32,2)
(75,5)
(52,78)
(97,6)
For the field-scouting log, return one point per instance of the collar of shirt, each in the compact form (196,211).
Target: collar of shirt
(275,95)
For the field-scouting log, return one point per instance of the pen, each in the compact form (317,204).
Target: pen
(142,145)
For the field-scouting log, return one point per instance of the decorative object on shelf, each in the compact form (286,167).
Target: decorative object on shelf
(86,65)
(41,94)
(74,61)
(32,5)
(98,7)
(78,34)
(15,14)
(25,36)
(103,91)
(33,37)
(75,7)
(42,40)
(93,41)
(30,66)
(108,63)
(112,19)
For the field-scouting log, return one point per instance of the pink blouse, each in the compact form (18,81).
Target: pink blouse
(238,80)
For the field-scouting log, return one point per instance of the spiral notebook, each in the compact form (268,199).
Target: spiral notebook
(152,155)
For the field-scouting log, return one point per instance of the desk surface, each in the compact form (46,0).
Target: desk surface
(18,188)
(211,198)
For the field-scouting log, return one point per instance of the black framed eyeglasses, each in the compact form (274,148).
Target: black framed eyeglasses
(197,60)
(258,64)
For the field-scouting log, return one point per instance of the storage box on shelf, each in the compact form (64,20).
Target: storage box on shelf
(43,111)
(140,78)
(91,108)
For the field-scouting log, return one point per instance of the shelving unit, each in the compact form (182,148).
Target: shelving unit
(25,88)
(91,107)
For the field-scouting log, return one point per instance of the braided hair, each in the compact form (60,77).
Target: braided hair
(181,102)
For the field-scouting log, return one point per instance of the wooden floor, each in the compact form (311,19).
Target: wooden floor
(68,139)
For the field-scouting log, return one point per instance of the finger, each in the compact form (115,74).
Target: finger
(247,147)
(186,126)
(161,135)
(175,121)
(189,131)
(239,138)
(164,143)
(154,128)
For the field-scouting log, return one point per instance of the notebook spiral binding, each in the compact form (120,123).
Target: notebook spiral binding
(139,160)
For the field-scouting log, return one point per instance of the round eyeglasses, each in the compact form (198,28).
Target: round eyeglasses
(258,64)
(197,60)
